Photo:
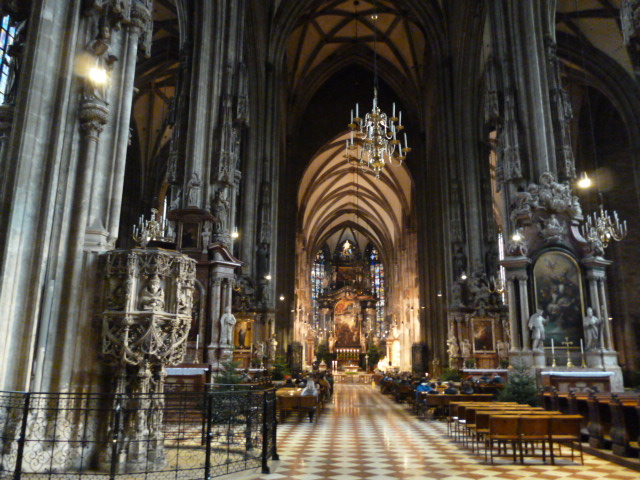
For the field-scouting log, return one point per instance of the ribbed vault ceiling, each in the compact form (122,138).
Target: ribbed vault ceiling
(335,196)
(596,23)
(337,26)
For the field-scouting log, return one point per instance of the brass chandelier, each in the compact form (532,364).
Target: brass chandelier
(602,227)
(373,143)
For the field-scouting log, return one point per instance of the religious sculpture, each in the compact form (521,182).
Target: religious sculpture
(193,190)
(453,348)
(220,209)
(591,325)
(227,324)
(273,345)
(465,346)
(536,325)
(503,349)
(152,295)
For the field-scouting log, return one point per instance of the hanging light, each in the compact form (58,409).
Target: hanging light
(373,143)
(601,227)
(146,231)
(584,181)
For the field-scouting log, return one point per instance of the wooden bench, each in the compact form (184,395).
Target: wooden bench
(292,401)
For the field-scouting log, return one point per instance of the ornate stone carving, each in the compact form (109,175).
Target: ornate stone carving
(220,210)
(509,162)
(147,316)
(132,14)
(193,191)
(553,229)
(548,195)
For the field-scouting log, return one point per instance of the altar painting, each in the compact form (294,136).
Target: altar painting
(346,324)
(558,292)
(483,338)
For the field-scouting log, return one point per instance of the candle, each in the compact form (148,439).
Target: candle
(581,347)
(406,144)
(394,110)
(552,350)
(352,115)
(357,114)
(400,119)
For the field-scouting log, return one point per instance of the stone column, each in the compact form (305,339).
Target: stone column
(524,310)
(215,308)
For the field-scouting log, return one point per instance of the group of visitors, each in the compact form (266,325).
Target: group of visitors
(319,383)
(405,386)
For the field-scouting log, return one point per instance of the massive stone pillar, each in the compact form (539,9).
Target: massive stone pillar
(63,186)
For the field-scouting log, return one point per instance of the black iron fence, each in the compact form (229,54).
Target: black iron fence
(173,435)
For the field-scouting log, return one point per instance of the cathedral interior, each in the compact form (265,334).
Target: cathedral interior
(191,165)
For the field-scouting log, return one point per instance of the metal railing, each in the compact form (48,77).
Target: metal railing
(181,435)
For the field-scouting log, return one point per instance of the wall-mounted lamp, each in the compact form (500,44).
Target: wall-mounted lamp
(235,233)
(267,276)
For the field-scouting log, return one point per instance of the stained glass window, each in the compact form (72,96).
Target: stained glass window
(7,34)
(377,283)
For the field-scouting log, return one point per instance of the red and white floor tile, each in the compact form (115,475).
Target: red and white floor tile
(362,434)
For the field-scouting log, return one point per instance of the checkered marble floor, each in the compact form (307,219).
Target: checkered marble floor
(365,435)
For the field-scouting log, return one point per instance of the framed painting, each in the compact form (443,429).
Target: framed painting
(483,337)
(559,294)
(190,235)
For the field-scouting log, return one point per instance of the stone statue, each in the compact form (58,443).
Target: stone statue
(152,295)
(193,190)
(259,349)
(465,346)
(227,324)
(273,345)
(536,325)
(503,349)
(332,342)
(591,325)
(220,209)
(453,348)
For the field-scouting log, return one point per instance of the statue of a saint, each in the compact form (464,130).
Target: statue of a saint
(152,295)
(220,209)
(503,350)
(536,325)
(465,346)
(453,348)
(273,345)
(332,342)
(227,324)
(591,325)
(193,190)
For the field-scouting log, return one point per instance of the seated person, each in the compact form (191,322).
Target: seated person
(434,389)
(497,379)
(467,389)
(423,387)
(484,379)
(288,383)
(310,388)
(451,390)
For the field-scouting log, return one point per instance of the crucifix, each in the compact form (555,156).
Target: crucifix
(567,343)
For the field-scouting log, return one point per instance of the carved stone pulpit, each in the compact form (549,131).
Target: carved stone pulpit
(145,322)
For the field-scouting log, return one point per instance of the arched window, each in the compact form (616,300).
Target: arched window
(317,282)
(7,35)
(377,283)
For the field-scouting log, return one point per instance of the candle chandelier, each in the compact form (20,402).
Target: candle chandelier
(601,227)
(373,143)
(149,230)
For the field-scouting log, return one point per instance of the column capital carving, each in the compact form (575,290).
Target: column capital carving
(94,115)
